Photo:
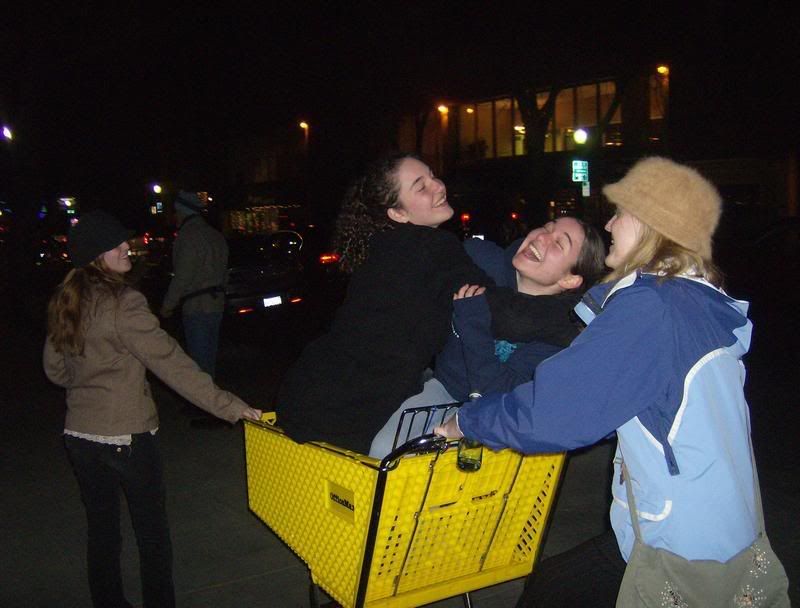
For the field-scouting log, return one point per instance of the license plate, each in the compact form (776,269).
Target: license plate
(273,301)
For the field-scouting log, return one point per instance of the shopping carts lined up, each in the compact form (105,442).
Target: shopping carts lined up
(405,531)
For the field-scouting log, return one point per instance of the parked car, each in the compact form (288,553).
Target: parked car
(265,273)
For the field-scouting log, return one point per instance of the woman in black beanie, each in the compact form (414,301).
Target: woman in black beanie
(101,337)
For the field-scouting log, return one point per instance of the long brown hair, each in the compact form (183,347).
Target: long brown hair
(68,311)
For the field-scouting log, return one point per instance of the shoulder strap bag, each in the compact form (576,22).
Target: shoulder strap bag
(754,577)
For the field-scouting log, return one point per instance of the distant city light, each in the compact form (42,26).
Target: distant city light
(304,125)
(157,188)
(663,70)
(580,136)
(7,133)
(470,110)
(519,128)
(443,109)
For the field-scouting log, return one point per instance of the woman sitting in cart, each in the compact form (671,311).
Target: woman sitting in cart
(396,314)
(500,336)
(660,364)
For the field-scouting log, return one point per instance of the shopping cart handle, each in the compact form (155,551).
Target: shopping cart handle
(420,445)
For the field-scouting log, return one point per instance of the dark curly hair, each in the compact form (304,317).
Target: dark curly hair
(363,211)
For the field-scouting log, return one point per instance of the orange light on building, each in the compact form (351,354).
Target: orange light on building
(245,310)
(328,258)
(663,70)
(443,109)
(296,300)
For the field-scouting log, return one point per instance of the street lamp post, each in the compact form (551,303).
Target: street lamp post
(306,128)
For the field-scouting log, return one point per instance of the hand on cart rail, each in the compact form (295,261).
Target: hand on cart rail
(252,413)
(449,429)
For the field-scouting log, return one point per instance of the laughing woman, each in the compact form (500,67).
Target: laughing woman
(101,337)
(396,315)
(660,364)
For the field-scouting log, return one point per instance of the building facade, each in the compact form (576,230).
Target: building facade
(517,154)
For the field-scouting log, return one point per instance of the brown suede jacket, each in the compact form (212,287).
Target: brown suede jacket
(107,392)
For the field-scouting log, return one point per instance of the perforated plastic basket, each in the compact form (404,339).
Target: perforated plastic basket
(403,536)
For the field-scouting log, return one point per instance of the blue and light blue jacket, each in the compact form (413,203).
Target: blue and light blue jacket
(662,366)
(472,361)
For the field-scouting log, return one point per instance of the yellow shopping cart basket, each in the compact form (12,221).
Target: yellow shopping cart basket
(406,530)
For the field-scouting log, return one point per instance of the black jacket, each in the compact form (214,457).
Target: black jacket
(394,320)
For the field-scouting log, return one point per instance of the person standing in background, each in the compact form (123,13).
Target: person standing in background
(200,262)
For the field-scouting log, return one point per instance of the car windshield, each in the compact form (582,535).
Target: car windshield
(255,250)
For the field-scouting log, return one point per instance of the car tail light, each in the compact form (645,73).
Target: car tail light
(328,258)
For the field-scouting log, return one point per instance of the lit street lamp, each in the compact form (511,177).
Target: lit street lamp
(8,133)
(306,128)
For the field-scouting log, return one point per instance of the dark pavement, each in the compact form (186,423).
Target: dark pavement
(224,556)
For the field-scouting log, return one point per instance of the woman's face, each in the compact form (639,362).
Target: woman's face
(117,260)
(422,198)
(625,231)
(545,258)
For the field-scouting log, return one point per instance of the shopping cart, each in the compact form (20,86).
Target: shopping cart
(406,530)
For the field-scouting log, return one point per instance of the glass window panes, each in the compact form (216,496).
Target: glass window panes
(541,99)
(519,131)
(587,105)
(565,119)
(466,132)
(504,132)
(607,90)
(484,142)
(659,89)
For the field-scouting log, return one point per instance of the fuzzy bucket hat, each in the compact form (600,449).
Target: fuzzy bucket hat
(94,234)
(673,199)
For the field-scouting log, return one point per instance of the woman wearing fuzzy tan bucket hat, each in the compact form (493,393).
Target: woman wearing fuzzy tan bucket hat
(659,363)
(101,337)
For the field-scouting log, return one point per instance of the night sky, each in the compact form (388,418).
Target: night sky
(102,100)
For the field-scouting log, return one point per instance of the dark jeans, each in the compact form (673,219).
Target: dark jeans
(101,470)
(201,331)
(587,575)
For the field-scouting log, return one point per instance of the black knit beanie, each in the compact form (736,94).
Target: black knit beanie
(94,234)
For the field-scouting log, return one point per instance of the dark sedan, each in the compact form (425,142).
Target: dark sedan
(265,273)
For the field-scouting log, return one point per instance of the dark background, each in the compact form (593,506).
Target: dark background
(103,99)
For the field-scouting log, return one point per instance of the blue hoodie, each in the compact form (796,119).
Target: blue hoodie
(473,360)
(662,366)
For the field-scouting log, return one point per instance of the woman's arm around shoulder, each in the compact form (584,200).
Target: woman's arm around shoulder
(449,264)
(614,370)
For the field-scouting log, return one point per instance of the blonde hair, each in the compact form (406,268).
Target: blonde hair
(660,255)
(67,310)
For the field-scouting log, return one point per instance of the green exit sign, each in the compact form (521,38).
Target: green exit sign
(580,170)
